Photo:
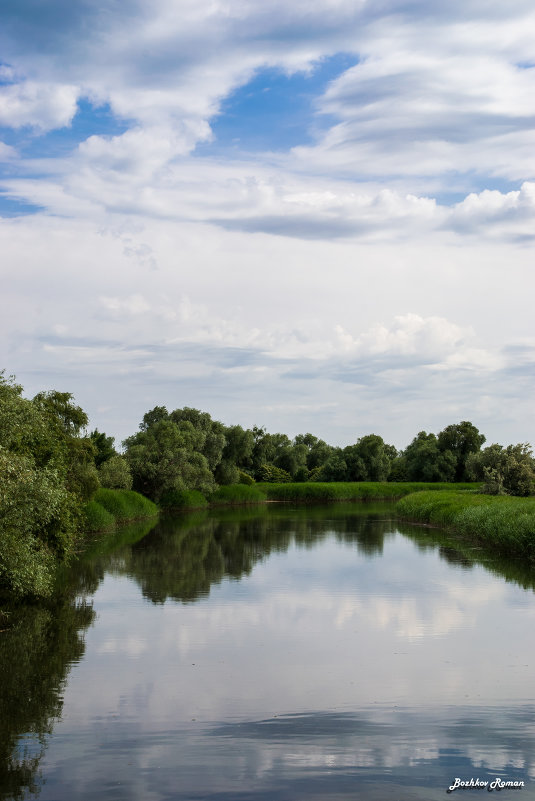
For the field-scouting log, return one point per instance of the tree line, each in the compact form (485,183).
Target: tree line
(50,467)
(187,449)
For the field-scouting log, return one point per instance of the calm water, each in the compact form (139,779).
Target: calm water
(280,654)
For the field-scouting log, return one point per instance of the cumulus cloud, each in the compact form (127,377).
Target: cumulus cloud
(363,268)
(44,106)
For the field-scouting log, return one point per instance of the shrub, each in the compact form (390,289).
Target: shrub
(510,469)
(115,473)
(245,478)
(272,474)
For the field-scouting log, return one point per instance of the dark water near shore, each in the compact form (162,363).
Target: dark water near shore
(273,654)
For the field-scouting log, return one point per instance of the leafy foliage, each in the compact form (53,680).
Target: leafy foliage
(167,455)
(115,473)
(271,473)
(424,461)
(509,470)
(460,439)
(104,448)
(46,474)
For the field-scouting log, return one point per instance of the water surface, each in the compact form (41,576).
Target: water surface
(281,654)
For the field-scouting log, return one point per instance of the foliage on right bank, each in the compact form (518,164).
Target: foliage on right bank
(503,522)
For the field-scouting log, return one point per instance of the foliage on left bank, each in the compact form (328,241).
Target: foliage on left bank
(48,470)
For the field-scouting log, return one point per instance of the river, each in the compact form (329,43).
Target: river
(273,654)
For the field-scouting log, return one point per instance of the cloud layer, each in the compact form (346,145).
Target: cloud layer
(376,274)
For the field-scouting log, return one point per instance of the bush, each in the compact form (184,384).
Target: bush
(245,478)
(115,473)
(504,470)
(270,473)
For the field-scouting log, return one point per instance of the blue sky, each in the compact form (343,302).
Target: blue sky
(316,217)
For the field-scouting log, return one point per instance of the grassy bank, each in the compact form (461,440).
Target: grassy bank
(504,523)
(312,492)
(109,507)
(302,493)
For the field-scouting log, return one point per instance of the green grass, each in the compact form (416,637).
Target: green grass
(504,523)
(183,499)
(97,518)
(237,494)
(312,492)
(109,507)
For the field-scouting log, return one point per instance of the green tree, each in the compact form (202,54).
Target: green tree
(334,469)
(376,455)
(40,498)
(115,473)
(167,455)
(61,411)
(211,431)
(356,467)
(104,448)
(509,470)
(460,439)
(424,461)
(236,455)
(317,451)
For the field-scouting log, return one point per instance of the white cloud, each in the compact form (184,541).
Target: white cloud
(40,105)
(364,268)
(7,152)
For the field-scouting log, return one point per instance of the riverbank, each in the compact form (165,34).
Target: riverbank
(504,523)
(324,492)
(110,507)
(302,493)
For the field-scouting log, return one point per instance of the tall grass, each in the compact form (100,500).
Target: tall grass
(110,506)
(237,494)
(312,492)
(501,522)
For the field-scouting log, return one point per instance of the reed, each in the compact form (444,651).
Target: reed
(237,495)
(111,506)
(318,492)
(504,523)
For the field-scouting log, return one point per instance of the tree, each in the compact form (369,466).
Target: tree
(334,469)
(376,456)
(167,455)
(356,467)
(460,439)
(317,450)
(212,432)
(40,499)
(424,461)
(236,455)
(104,448)
(115,473)
(60,410)
(509,470)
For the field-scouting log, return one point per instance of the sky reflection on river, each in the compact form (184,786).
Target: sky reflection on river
(336,668)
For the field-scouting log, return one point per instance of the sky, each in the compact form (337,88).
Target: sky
(309,216)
